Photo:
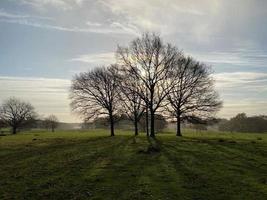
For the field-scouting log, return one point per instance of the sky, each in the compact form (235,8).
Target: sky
(44,43)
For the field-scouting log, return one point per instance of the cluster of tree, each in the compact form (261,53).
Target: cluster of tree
(242,123)
(199,127)
(18,114)
(51,122)
(149,78)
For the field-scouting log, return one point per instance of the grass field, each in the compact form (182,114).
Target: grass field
(91,165)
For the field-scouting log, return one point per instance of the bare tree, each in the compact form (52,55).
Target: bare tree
(95,93)
(149,60)
(193,98)
(51,122)
(16,113)
(131,102)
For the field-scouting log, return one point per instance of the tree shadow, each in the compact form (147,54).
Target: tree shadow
(206,167)
(154,146)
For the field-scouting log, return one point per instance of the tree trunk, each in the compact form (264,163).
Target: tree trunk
(14,129)
(111,124)
(152,113)
(152,123)
(147,128)
(53,130)
(178,126)
(135,126)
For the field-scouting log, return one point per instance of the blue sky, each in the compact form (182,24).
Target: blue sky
(45,42)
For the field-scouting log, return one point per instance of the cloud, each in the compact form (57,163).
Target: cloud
(166,17)
(242,92)
(238,80)
(193,22)
(126,27)
(41,25)
(248,106)
(48,96)
(196,24)
(65,5)
(97,59)
(114,28)
(89,23)
(43,4)
(8,15)
(239,57)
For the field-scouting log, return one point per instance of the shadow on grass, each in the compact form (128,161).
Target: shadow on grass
(125,167)
(154,146)
(215,170)
(55,171)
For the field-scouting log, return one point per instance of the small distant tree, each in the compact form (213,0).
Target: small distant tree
(160,122)
(224,125)
(238,122)
(199,127)
(17,113)
(51,122)
(257,124)
(87,125)
(102,122)
(95,94)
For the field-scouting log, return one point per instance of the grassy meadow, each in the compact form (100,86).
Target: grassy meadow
(92,165)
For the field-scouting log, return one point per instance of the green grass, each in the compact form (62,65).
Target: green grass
(91,165)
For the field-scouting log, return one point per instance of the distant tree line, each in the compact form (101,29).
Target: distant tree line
(149,79)
(124,123)
(242,123)
(51,122)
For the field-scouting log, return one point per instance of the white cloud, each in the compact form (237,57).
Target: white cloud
(164,16)
(239,57)
(248,106)
(247,80)
(80,2)
(8,15)
(195,24)
(89,23)
(41,25)
(43,4)
(97,59)
(126,27)
(112,29)
(242,92)
(221,58)
(90,27)
(64,5)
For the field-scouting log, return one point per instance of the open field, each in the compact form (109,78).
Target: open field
(91,165)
